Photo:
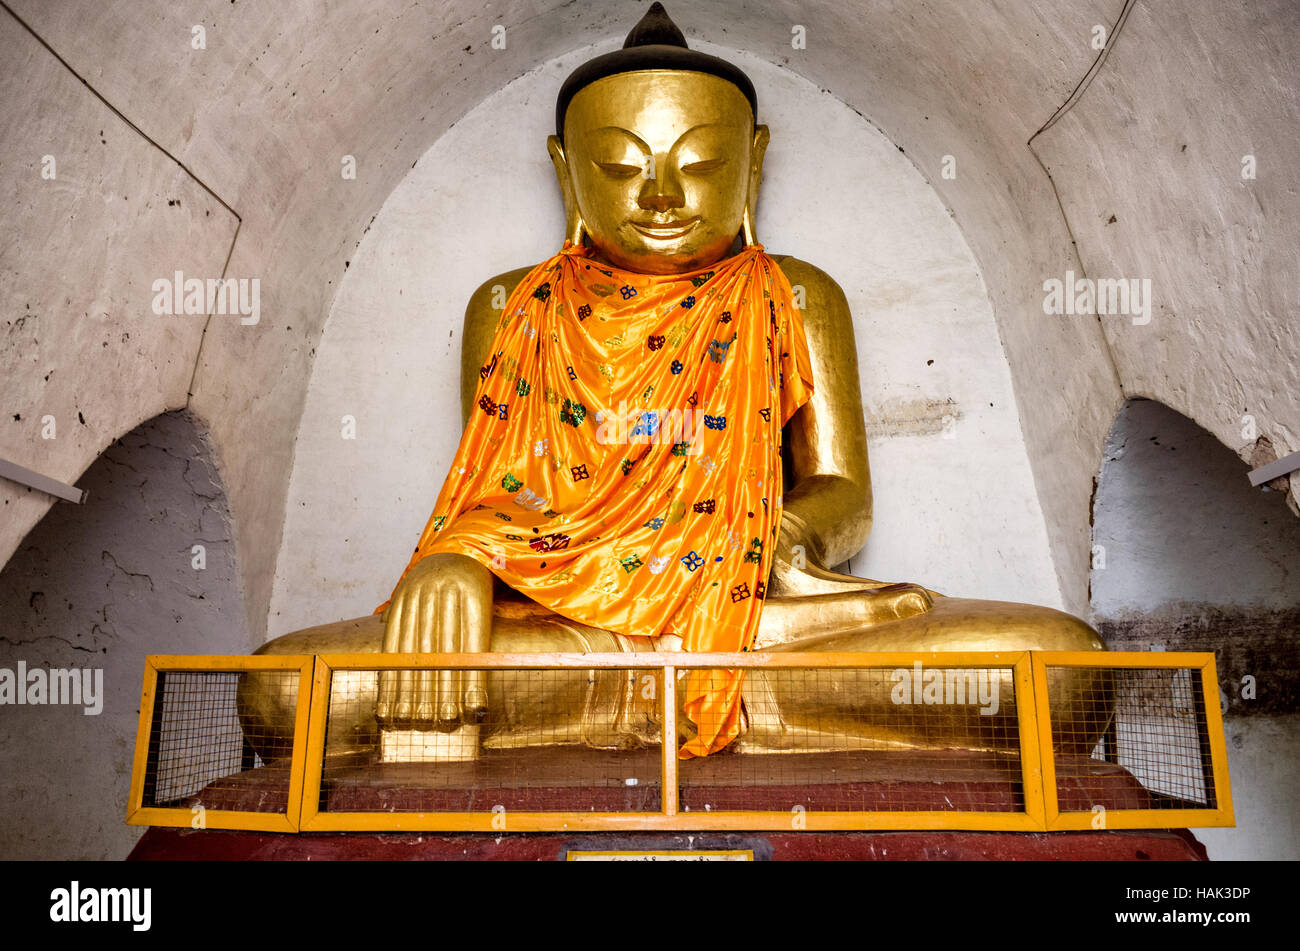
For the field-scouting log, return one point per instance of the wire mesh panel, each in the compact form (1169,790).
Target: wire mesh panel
(566,740)
(401,744)
(552,741)
(1141,750)
(219,742)
(915,737)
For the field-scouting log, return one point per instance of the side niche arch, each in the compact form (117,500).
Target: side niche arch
(1187,555)
(146,565)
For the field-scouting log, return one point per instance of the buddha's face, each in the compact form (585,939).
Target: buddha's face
(659,166)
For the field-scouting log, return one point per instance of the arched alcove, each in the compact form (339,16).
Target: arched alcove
(955,501)
(145,566)
(1189,556)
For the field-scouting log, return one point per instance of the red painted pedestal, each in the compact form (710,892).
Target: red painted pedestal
(580,780)
(186,844)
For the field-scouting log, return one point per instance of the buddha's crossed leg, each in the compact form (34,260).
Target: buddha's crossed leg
(787,711)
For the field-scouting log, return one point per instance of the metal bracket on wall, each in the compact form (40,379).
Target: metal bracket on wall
(1281,467)
(25,476)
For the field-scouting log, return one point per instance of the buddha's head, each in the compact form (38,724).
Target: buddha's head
(658,153)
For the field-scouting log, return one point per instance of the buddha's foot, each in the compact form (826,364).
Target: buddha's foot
(786,620)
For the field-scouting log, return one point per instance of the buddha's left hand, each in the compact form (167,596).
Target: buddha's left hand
(797,570)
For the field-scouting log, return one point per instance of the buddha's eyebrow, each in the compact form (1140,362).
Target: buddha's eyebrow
(642,143)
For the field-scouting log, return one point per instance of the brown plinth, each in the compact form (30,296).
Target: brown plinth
(216,846)
(574,779)
(583,780)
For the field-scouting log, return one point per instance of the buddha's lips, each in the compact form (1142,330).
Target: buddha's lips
(665,230)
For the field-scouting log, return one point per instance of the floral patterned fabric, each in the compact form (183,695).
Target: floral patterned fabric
(622,463)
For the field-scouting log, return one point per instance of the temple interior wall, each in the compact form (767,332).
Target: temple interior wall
(97,586)
(226,160)
(1176,166)
(1189,557)
(264,115)
(82,360)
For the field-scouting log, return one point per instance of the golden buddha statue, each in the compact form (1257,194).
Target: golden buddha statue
(659,158)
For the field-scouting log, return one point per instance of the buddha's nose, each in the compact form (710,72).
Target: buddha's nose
(659,194)
(660,202)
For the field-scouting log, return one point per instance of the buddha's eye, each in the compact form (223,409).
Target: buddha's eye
(708,165)
(619,169)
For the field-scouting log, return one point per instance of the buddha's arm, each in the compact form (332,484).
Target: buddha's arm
(445,602)
(482,315)
(828,502)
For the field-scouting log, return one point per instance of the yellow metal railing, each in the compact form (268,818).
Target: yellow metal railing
(1193,676)
(1157,719)
(156,743)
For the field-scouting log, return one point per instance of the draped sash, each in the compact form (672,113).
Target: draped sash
(621,465)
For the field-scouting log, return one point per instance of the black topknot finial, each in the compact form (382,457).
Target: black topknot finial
(656,28)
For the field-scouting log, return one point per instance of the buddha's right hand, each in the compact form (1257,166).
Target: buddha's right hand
(443,605)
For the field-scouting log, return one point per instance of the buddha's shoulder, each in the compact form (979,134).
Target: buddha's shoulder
(813,278)
(492,293)
(823,301)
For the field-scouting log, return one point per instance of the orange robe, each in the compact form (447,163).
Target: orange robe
(622,465)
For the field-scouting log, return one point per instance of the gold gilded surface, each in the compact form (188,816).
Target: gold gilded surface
(657,168)
(660,172)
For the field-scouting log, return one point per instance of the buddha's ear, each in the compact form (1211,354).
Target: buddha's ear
(761,138)
(756,154)
(573,226)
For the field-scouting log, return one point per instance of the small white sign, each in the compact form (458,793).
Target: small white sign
(671,855)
